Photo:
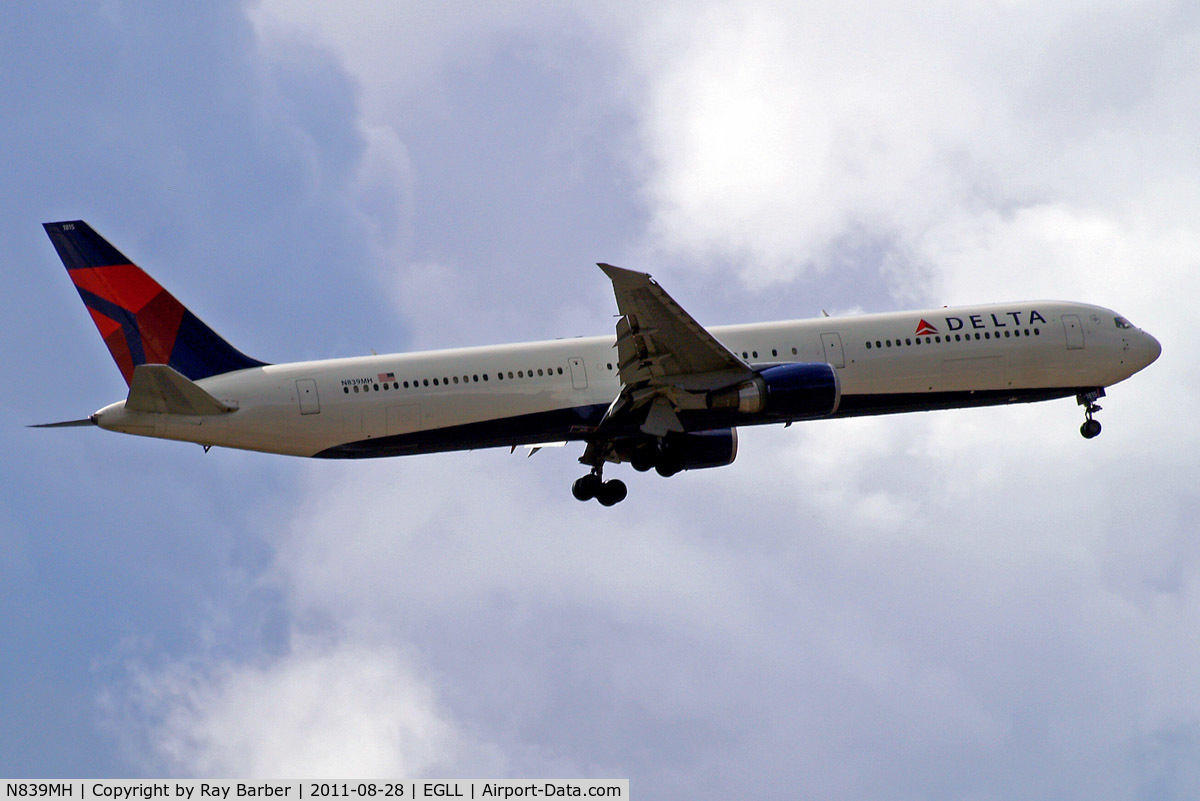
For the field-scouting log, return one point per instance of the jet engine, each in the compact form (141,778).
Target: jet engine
(696,450)
(791,391)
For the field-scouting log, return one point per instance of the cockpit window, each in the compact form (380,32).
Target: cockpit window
(1123,323)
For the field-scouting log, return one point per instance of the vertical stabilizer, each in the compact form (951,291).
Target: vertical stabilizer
(141,322)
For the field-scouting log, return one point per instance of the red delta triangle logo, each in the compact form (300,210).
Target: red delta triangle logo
(924,328)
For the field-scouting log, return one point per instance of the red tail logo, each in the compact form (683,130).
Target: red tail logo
(132,312)
(140,321)
(924,328)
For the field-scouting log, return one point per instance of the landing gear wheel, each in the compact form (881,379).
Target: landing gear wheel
(666,468)
(587,487)
(644,458)
(1090,428)
(612,492)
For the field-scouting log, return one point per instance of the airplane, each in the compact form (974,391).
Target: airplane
(662,392)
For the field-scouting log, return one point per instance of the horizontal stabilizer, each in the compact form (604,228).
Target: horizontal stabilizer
(158,388)
(87,421)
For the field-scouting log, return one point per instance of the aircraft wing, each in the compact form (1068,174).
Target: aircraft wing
(666,360)
(657,341)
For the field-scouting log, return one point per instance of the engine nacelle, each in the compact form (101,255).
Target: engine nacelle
(794,391)
(698,449)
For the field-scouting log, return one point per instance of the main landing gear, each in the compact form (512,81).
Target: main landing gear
(593,485)
(1090,428)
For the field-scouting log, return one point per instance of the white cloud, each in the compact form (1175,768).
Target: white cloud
(774,132)
(445,535)
(383,187)
(324,710)
(399,50)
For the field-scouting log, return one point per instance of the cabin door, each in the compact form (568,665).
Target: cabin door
(833,349)
(1074,331)
(306,391)
(578,373)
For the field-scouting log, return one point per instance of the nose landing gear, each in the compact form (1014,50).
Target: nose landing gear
(1090,428)
(609,493)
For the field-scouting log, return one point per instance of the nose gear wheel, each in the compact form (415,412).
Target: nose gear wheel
(1090,428)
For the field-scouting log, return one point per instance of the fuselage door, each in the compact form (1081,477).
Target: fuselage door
(1074,331)
(833,349)
(306,391)
(578,373)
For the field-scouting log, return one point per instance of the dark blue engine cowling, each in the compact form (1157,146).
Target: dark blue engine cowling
(801,390)
(697,449)
(784,392)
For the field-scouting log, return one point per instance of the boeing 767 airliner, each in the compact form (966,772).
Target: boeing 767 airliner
(662,393)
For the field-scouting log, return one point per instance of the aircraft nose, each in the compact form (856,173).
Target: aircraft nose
(1150,349)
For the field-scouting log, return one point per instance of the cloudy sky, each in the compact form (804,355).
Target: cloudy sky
(962,605)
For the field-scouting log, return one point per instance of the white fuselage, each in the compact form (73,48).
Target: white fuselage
(558,390)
